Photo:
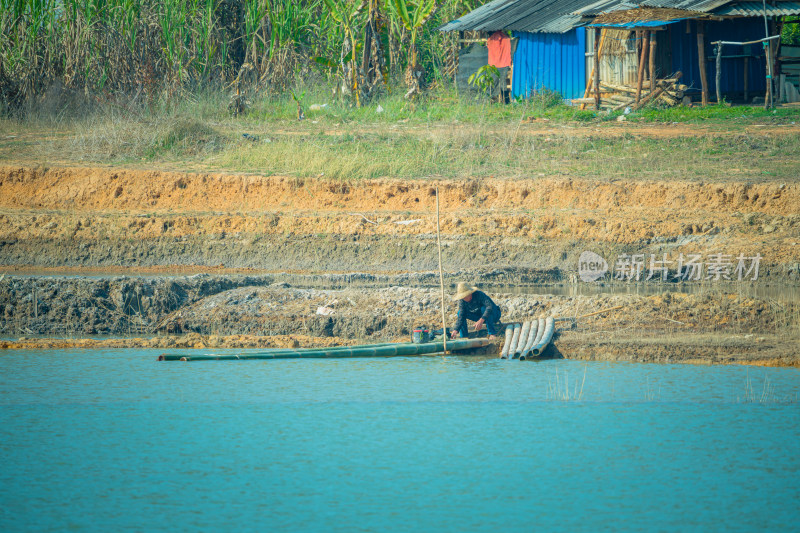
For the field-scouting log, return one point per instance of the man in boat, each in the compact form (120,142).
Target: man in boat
(474,305)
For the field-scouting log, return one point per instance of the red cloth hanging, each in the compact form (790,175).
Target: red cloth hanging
(499,45)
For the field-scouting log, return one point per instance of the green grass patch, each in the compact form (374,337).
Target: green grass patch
(442,134)
(719,114)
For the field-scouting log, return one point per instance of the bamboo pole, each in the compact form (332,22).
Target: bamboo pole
(602,311)
(701,56)
(441,274)
(597,71)
(590,80)
(768,49)
(749,42)
(719,73)
(768,95)
(382,350)
(777,28)
(642,59)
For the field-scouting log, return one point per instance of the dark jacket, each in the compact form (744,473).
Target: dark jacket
(480,305)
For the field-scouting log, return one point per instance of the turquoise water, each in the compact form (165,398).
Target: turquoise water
(113,440)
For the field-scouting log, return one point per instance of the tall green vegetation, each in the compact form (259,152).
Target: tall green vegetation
(790,33)
(146,50)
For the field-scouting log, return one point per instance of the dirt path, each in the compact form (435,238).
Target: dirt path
(545,127)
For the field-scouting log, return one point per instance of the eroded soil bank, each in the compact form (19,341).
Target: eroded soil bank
(95,218)
(204,311)
(370,248)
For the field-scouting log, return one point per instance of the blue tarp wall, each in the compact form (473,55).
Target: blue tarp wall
(684,55)
(556,61)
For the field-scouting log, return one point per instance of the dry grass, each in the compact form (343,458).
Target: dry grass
(351,151)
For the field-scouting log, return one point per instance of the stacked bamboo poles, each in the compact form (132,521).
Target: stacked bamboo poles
(375,350)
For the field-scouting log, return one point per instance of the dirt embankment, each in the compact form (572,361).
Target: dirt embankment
(95,218)
(218,311)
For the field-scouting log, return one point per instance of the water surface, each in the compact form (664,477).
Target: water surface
(113,440)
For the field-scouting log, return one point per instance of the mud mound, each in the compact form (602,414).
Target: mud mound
(251,305)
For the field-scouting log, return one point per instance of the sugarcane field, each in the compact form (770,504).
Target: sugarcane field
(439,211)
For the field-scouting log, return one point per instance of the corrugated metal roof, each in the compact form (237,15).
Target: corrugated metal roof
(703,6)
(560,16)
(756,9)
(608,6)
(636,24)
(546,16)
(605,6)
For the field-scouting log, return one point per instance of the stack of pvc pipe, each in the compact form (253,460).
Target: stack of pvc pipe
(507,341)
(513,333)
(540,344)
(535,333)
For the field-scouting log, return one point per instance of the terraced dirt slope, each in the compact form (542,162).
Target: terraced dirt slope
(96,218)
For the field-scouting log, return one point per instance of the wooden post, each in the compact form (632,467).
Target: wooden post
(719,73)
(778,30)
(768,95)
(597,70)
(642,59)
(777,86)
(746,77)
(652,66)
(445,333)
(590,79)
(701,55)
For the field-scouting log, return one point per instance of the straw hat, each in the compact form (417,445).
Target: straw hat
(463,291)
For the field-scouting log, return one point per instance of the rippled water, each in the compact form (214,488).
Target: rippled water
(113,440)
